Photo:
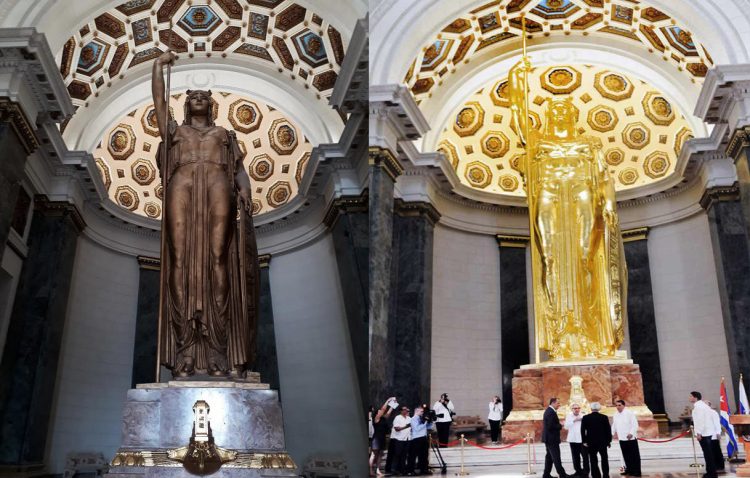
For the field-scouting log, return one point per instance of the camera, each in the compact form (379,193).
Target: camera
(429,415)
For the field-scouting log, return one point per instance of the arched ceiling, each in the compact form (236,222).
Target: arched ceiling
(278,34)
(276,153)
(641,131)
(495,28)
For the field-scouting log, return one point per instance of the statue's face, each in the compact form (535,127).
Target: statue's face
(561,114)
(199,102)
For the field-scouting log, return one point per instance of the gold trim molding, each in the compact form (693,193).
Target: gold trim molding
(719,193)
(345,204)
(149,263)
(636,234)
(509,240)
(738,141)
(264,261)
(385,159)
(416,209)
(59,208)
(11,112)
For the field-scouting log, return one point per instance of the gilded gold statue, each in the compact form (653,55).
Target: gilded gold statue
(578,263)
(209,269)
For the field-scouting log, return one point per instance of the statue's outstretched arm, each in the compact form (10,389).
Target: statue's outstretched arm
(158,89)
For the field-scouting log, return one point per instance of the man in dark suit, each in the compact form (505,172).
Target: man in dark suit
(596,434)
(551,437)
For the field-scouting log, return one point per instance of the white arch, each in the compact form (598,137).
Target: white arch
(399,29)
(319,122)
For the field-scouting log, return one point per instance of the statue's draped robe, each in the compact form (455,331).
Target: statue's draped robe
(587,315)
(200,326)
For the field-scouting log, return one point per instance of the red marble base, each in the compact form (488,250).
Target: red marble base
(602,382)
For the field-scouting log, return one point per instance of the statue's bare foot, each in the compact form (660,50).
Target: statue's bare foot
(187,369)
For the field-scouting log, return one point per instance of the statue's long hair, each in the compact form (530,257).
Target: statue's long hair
(211,106)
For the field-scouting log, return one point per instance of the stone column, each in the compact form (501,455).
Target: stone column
(644,346)
(410,321)
(146,322)
(384,168)
(267,362)
(28,370)
(514,311)
(729,238)
(349,223)
(17,141)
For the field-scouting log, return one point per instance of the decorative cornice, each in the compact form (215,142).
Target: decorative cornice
(509,240)
(149,263)
(264,261)
(11,112)
(345,204)
(719,193)
(385,159)
(416,209)
(636,234)
(60,208)
(738,141)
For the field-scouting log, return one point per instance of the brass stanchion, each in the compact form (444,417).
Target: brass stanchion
(695,463)
(528,471)
(462,472)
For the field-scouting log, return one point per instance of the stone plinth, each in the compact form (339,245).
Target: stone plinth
(245,417)
(533,386)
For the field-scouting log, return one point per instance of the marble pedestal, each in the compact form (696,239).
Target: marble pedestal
(245,417)
(534,385)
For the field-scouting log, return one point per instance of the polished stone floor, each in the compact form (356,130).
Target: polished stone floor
(668,459)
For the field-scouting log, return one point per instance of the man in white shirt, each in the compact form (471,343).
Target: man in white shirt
(625,429)
(573,425)
(444,410)
(401,434)
(703,428)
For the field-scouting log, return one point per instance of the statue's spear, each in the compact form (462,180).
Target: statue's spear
(163,172)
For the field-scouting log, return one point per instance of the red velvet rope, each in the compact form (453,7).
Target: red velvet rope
(667,440)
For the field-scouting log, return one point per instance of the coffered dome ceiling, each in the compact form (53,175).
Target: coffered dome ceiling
(495,28)
(277,33)
(276,153)
(641,131)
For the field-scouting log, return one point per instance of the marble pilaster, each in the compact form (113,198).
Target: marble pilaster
(349,223)
(28,370)
(644,348)
(266,362)
(410,319)
(17,141)
(384,168)
(729,238)
(514,313)
(147,322)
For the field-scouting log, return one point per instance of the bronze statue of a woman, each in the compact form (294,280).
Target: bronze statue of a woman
(209,268)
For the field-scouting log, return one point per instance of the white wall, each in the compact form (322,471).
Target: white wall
(97,354)
(466,320)
(320,398)
(692,342)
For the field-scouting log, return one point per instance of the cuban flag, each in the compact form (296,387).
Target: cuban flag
(744,406)
(724,418)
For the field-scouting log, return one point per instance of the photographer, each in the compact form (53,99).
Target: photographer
(495,417)
(421,422)
(380,429)
(444,410)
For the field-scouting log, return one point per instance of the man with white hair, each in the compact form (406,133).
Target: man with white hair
(573,425)
(596,437)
